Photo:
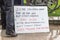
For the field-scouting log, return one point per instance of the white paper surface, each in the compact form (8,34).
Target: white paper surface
(31,19)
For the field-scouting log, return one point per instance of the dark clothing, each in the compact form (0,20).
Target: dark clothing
(17,2)
(3,14)
(8,14)
(7,11)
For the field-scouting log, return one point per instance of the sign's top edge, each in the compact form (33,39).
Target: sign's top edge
(30,6)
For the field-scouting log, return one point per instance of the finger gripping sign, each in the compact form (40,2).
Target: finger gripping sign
(31,19)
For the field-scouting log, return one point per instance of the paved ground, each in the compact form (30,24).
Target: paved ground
(0,33)
(52,35)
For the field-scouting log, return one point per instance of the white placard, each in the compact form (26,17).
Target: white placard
(31,19)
